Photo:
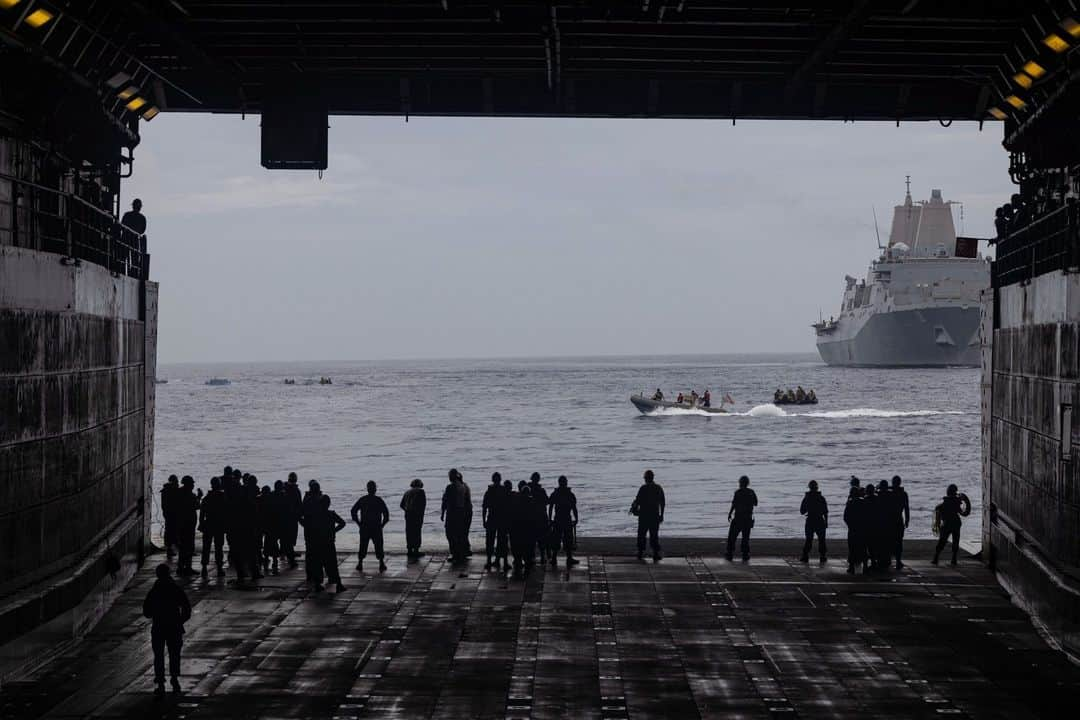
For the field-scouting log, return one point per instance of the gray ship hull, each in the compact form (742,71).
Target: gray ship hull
(925,337)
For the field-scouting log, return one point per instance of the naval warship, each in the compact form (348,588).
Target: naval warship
(920,303)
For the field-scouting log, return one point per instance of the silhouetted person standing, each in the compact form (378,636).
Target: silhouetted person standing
(251,552)
(816,511)
(869,516)
(491,509)
(542,530)
(371,515)
(884,530)
(522,530)
(649,507)
(563,518)
(168,608)
(414,503)
(314,519)
(741,518)
(266,515)
(293,511)
(456,512)
(854,521)
(335,523)
(505,522)
(186,519)
(954,506)
(168,514)
(901,518)
(212,525)
(133,219)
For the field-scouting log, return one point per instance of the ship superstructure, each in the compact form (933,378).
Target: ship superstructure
(919,304)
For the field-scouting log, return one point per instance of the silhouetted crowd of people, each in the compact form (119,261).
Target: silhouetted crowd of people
(523,526)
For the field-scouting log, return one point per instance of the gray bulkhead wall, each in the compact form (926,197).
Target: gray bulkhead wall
(1031,468)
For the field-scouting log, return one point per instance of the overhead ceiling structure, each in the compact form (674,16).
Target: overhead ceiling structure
(804,59)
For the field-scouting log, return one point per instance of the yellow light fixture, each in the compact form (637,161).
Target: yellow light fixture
(1023,80)
(135,103)
(128,92)
(1034,69)
(1071,26)
(1056,43)
(38,18)
(150,113)
(1016,101)
(8,4)
(998,113)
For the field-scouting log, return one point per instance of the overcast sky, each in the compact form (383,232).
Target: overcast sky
(447,237)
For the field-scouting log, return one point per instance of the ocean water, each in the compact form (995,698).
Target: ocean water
(393,421)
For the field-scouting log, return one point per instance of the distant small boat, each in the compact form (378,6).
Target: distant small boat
(647,405)
(162,381)
(325,381)
(290,381)
(218,381)
(785,401)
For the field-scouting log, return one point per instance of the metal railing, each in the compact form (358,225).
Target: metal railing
(52,220)
(1049,243)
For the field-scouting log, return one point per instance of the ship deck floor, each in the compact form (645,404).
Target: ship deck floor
(690,636)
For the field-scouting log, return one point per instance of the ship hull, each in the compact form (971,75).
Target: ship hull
(922,337)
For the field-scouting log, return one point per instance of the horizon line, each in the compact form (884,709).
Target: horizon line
(498,357)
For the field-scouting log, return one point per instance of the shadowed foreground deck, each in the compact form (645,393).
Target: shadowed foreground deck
(691,636)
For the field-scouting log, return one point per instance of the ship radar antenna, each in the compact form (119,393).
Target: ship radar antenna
(907,182)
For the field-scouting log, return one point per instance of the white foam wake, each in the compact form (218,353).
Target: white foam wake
(873,413)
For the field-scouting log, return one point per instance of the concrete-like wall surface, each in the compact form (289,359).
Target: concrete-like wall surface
(1032,477)
(73,443)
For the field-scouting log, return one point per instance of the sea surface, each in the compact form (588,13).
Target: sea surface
(394,421)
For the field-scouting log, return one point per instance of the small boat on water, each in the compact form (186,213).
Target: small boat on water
(162,381)
(647,405)
(786,401)
(290,381)
(218,381)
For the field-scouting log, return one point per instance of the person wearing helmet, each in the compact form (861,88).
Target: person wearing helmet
(741,518)
(168,608)
(816,511)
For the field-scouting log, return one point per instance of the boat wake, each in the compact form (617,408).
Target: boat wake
(768,410)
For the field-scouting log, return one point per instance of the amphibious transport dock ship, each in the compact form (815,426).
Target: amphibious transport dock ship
(919,304)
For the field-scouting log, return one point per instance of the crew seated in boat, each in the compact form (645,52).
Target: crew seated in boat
(693,397)
(680,399)
(811,397)
(658,396)
(790,396)
(778,396)
(800,395)
(706,399)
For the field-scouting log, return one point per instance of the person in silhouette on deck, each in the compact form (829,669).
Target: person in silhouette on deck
(292,510)
(455,513)
(954,505)
(741,518)
(563,517)
(522,530)
(212,525)
(884,530)
(853,518)
(335,523)
(901,518)
(371,515)
(492,508)
(505,521)
(266,515)
(168,514)
(313,519)
(649,507)
(186,519)
(870,518)
(250,549)
(816,511)
(168,608)
(414,503)
(541,528)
